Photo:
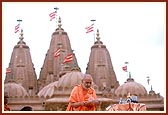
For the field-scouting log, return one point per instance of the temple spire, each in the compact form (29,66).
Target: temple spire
(21,35)
(129,74)
(59,23)
(98,37)
(151,88)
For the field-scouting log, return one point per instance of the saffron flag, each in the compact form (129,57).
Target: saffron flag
(89,28)
(8,70)
(57,52)
(68,58)
(17,28)
(52,15)
(124,68)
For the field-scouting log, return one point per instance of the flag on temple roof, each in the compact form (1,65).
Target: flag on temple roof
(57,52)
(17,28)
(124,68)
(8,70)
(89,28)
(68,58)
(52,15)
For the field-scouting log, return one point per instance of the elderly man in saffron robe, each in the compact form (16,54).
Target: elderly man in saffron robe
(83,97)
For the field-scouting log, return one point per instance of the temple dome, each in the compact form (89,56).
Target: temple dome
(70,79)
(131,87)
(67,82)
(48,90)
(15,90)
(63,86)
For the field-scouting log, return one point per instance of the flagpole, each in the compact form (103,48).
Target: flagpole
(93,30)
(148,79)
(12,74)
(19,20)
(56,8)
(60,58)
(73,60)
(126,63)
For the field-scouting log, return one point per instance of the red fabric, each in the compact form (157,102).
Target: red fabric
(57,52)
(124,68)
(89,29)
(68,58)
(17,28)
(6,108)
(8,70)
(79,94)
(52,15)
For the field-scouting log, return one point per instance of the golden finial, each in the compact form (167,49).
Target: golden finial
(59,22)
(21,35)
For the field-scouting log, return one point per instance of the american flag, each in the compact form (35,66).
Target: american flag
(52,15)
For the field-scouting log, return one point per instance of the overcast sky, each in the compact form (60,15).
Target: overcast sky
(133,32)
